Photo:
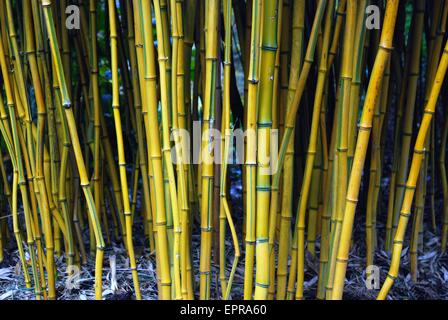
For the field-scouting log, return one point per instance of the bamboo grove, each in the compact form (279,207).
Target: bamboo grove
(342,105)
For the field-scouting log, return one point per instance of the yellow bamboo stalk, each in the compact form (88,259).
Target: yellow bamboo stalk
(151,124)
(120,146)
(49,21)
(264,159)
(298,25)
(311,153)
(250,151)
(206,148)
(361,145)
(414,172)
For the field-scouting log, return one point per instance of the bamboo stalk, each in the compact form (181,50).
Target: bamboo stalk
(250,160)
(120,146)
(361,145)
(416,163)
(49,21)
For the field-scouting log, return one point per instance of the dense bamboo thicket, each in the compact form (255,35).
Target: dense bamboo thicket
(247,146)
